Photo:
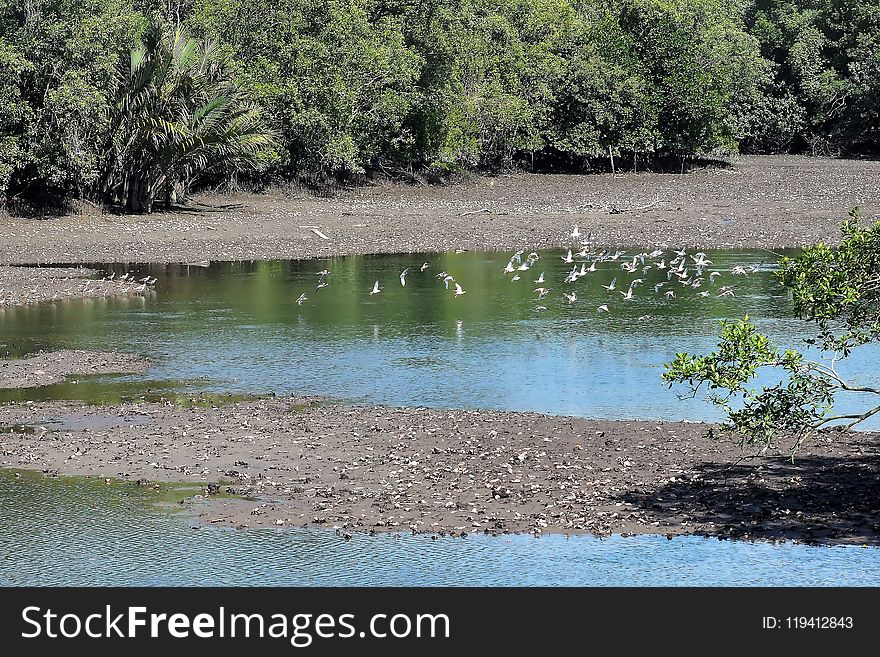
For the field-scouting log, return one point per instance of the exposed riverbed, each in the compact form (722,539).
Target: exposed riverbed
(413,410)
(313,463)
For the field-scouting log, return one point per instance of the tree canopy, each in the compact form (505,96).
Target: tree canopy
(837,290)
(398,87)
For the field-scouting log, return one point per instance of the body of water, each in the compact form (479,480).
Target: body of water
(237,327)
(77,531)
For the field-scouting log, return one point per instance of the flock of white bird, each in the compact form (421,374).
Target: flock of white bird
(689,271)
(128,277)
(377,288)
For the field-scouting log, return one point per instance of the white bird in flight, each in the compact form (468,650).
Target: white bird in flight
(376,289)
(302,299)
(403,276)
(458,290)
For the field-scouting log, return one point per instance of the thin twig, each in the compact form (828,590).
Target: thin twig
(773,253)
(616,210)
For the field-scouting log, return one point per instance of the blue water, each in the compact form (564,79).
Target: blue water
(235,327)
(81,532)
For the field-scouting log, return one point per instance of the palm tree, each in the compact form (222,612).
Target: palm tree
(178,117)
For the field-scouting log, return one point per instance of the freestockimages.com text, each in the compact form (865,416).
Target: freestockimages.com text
(300,629)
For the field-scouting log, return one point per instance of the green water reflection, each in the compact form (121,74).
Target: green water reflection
(236,328)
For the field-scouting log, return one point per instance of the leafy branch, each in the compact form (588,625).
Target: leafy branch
(838,290)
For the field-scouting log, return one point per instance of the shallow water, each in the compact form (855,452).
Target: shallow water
(235,327)
(76,531)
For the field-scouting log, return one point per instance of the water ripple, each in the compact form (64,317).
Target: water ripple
(73,531)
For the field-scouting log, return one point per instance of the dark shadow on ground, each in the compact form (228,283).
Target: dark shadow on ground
(815,499)
(549,161)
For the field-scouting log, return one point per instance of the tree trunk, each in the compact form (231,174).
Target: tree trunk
(141,195)
(133,196)
(148,196)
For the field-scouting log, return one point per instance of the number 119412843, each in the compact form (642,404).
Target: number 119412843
(807,623)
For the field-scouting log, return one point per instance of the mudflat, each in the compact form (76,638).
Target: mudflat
(757,201)
(54,367)
(371,469)
(315,462)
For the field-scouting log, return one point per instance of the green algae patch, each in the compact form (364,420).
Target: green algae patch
(173,496)
(90,490)
(18,428)
(107,390)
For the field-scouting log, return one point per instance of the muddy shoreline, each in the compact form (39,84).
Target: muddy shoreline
(310,462)
(54,367)
(370,469)
(758,201)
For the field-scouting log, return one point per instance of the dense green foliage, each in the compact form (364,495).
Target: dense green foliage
(176,117)
(824,95)
(58,62)
(838,290)
(400,86)
(356,85)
